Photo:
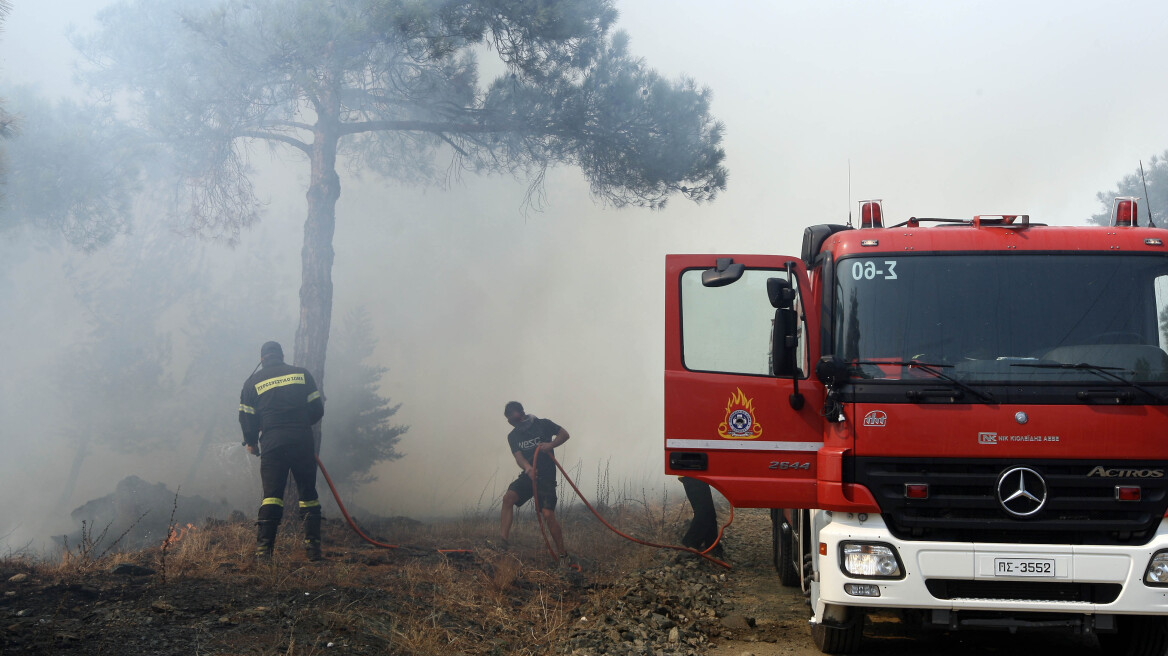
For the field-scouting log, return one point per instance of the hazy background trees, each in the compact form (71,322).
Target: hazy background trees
(393,89)
(116,187)
(1132,184)
(72,169)
(361,431)
(6,124)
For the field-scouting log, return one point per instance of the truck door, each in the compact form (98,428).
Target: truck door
(729,419)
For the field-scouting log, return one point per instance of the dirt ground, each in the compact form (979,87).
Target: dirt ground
(781,614)
(209,598)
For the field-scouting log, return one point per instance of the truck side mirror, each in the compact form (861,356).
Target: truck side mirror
(780,292)
(831,371)
(784,339)
(725,271)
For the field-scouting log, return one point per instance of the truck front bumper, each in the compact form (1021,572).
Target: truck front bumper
(957,576)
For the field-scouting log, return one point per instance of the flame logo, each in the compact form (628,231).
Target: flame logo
(740,423)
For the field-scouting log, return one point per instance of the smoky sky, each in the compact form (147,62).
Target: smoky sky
(941,109)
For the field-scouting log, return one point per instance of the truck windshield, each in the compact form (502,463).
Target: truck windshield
(981,315)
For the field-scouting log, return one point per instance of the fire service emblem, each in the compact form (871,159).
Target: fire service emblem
(740,423)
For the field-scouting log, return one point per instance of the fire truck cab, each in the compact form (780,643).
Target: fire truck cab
(959,423)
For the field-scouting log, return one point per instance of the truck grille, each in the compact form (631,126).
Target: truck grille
(1094,593)
(963,507)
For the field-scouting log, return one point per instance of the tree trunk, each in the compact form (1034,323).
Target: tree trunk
(316,284)
(198,459)
(79,457)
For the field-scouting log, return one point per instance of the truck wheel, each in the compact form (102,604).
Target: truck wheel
(1136,636)
(844,639)
(808,573)
(782,550)
(776,517)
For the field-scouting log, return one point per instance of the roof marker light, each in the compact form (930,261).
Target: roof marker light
(1125,212)
(1153,241)
(869,242)
(871,214)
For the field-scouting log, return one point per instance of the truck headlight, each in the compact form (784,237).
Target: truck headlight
(1157,572)
(870,560)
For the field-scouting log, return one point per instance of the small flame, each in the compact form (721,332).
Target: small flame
(178,533)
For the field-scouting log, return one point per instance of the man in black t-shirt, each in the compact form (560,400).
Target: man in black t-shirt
(533,438)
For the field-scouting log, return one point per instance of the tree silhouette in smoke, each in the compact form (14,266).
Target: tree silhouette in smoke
(1156,174)
(70,169)
(145,297)
(7,124)
(361,434)
(392,87)
(1155,177)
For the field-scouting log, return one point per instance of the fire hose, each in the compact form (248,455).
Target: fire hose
(539,515)
(353,524)
(543,531)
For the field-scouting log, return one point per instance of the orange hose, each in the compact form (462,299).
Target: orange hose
(344,512)
(703,554)
(538,514)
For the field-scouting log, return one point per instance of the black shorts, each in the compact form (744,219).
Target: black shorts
(547,490)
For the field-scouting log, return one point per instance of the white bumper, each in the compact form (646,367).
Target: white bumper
(923,561)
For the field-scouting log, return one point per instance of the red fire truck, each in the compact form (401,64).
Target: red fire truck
(960,423)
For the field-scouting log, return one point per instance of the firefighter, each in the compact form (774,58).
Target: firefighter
(278,407)
(533,438)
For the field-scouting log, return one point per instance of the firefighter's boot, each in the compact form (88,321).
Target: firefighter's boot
(271,511)
(311,517)
(265,538)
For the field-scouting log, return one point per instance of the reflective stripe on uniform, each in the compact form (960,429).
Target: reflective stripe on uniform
(310,504)
(273,501)
(314,396)
(246,408)
(280,381)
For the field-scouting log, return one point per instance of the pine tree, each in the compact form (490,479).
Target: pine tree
(360,431)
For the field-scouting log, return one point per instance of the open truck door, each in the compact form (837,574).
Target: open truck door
(740,411)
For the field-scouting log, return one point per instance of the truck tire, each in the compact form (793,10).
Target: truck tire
(783,548)
(776,517)
(843,639)
(1136,636)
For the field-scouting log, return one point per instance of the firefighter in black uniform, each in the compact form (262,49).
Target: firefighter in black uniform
(282,403)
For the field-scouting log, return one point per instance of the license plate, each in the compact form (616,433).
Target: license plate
(1042,567)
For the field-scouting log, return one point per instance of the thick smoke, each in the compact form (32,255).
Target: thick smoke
(474,301)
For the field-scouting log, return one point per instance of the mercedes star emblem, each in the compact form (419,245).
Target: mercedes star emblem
(1021,491)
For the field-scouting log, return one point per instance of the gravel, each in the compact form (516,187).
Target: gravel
(673,609)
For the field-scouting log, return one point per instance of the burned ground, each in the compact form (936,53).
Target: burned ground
(205,595)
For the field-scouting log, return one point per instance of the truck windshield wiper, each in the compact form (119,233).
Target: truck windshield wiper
(1095,369)
(934,369)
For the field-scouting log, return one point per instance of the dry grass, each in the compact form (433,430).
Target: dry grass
(412,600)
